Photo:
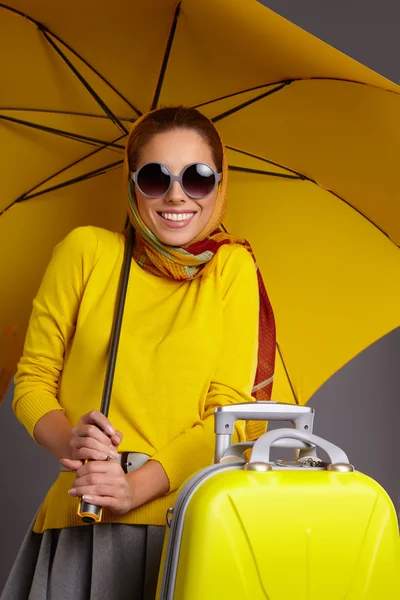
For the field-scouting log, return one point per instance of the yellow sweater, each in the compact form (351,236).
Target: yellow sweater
(185,349)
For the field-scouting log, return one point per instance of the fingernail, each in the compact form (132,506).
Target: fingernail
(110,430)
(112,453)
(72,492)
(87,498)
(103,456)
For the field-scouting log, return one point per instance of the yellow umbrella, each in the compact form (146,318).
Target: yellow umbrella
(313,141)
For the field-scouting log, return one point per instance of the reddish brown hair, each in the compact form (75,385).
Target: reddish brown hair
(170,118)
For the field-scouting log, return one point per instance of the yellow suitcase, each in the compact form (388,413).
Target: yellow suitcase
(297,530)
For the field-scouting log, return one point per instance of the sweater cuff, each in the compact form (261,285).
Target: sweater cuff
(34,405)
(181,459)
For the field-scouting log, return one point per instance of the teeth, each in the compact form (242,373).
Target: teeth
(176,217)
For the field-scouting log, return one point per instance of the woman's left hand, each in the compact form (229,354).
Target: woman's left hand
(104,483)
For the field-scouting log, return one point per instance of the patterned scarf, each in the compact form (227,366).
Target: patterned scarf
(194,260)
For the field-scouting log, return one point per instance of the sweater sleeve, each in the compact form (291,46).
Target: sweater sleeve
(51,326)
(233,379)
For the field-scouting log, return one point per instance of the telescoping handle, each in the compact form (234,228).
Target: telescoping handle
(302,418)
(262,447)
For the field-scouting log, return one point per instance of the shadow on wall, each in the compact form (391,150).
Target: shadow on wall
(357,409)
(27,473)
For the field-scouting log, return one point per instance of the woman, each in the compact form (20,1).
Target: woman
(194,311)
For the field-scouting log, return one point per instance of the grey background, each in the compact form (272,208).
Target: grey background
(358,408)
(367,30)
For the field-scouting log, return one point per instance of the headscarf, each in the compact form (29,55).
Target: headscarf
(195,260)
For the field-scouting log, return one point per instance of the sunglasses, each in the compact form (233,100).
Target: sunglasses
(197,180)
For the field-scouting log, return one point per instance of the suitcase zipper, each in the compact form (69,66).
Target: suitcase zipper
(176,524)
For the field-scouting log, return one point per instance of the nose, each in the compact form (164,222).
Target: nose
(176,194)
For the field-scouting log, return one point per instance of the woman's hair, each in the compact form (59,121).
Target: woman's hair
(168,119)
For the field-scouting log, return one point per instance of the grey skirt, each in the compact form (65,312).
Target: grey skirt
(110,561)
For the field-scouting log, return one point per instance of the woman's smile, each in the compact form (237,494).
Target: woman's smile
(175,219)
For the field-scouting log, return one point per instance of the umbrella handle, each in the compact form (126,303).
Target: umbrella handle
(91,513)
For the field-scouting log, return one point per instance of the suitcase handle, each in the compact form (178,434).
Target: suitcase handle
(262,447)
(235,453)
(225,417)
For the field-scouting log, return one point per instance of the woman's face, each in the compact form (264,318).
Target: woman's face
(176,149)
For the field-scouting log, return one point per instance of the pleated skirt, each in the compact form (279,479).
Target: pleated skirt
(90,562)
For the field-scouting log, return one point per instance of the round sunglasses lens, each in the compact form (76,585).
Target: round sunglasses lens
(153,180)
(198,180)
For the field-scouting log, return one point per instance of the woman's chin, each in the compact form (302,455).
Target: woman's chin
(175,238)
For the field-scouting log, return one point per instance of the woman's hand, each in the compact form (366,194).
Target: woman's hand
(93,438)
(104,483)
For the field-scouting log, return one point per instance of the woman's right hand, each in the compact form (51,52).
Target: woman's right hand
(94,438)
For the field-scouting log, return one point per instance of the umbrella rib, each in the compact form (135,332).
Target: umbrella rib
(292,80)
(84,177)
(271,162)
(28,193)
(166,57)
(260,172)
(56,37)
(287,374)
(96,72)
(354,208)
(235,109)
(306,178)
(62,133)
(59,112)
(238,93)
(88,87)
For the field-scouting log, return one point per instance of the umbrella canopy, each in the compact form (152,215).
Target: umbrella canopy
(313,139)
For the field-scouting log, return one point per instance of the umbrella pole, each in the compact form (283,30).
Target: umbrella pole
(91,513)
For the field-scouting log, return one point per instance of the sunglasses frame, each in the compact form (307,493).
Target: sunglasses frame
(173,178)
